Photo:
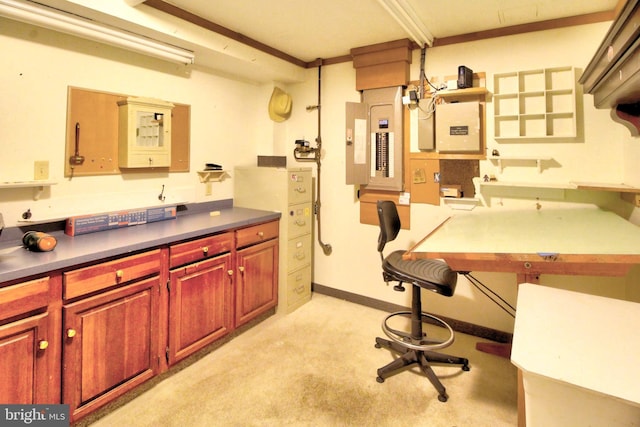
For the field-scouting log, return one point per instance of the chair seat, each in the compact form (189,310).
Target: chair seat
(431,274)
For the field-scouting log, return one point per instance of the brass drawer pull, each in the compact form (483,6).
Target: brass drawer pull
(119,274)
(260,234)
(71,333)
(205,250)
(241,268)
(43,344)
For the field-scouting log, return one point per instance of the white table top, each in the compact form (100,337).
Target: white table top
(545,231)
(583,340)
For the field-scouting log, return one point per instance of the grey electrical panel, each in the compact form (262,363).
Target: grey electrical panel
(374,140)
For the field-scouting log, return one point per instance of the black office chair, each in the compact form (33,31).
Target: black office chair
(435,275)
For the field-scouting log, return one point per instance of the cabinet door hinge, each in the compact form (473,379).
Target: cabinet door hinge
(166,354)
(168,285)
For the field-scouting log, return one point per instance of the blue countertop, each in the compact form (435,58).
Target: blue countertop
(16,262)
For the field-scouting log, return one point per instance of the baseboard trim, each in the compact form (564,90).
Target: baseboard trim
(457,325)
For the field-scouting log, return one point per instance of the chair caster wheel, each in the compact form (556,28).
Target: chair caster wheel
(443,397)
(466,368)
(380,380)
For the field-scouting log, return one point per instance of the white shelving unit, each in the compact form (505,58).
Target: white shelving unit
(535,104)
(37,185)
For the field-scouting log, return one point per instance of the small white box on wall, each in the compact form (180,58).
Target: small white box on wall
(458,127)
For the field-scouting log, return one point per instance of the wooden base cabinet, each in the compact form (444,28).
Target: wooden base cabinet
(25,344)
(87,335)
(199,306)
(22,376)
(257,282)
(111,337)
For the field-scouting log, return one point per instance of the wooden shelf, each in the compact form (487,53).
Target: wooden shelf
(454,93)
(600,186)
(627,193)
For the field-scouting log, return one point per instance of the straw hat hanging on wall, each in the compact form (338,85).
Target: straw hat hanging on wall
(279,105)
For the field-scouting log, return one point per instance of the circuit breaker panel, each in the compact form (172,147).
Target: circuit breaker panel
(374,138)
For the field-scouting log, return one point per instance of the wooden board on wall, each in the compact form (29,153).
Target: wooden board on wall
(425,188)
(96,114)
(460,172)
(369,212)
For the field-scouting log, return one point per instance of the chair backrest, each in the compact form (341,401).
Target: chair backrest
(389,222)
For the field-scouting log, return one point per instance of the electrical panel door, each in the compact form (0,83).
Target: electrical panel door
(374,140)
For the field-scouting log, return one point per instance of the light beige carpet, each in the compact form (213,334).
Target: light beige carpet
(317,367)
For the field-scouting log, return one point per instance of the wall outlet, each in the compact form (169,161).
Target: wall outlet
(41,169)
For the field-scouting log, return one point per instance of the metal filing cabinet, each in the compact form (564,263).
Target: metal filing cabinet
(288,191)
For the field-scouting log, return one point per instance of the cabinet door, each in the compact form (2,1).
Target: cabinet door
(23,367)
(110,345)
(257,280)
(199,305)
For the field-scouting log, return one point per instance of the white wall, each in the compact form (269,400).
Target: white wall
(230,125)
(229,121)
(596,157)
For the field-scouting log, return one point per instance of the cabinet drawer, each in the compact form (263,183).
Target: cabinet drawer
(197,250)
(299,220)
(298,286)
(299,187)
(299,252)
(256,234)
(23,297)
(104,275)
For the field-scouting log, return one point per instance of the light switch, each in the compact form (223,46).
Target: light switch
(41,170)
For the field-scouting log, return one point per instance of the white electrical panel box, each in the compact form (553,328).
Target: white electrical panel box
(458,127)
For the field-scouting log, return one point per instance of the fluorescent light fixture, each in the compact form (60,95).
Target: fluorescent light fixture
(64,22)
(404,14)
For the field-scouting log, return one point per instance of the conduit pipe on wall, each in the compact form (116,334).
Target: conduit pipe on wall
(301,153)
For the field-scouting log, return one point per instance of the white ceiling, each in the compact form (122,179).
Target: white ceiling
(311,29)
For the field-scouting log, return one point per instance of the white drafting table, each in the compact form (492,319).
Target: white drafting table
(580,241)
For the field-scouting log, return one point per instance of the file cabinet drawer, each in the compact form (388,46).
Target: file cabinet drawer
(299,220)
(298,286)
(299,187)
(23,297)
(197,250)
(299,252)
(256,234)
(104,275)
